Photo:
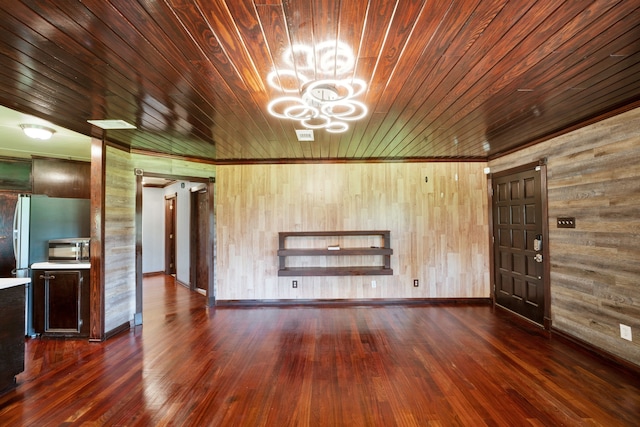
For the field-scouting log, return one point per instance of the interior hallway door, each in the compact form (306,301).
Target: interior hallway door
(170,218)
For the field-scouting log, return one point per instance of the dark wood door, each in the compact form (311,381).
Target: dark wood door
(518,230)
(201,238)
(170,219)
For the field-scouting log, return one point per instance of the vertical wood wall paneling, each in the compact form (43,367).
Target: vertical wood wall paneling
(439,228)
(594,175)
(120,198)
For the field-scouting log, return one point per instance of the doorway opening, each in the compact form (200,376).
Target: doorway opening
(181,206)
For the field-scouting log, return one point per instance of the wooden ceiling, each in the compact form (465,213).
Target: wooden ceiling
(468,79)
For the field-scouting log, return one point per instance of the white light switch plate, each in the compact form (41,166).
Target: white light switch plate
(625,332)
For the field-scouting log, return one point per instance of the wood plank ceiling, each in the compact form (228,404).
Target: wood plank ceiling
(455,79)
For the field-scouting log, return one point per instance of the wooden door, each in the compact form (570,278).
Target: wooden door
(518,242)
(170,219)
(199,240)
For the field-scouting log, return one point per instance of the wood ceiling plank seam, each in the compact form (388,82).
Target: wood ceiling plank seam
(484,15)
(450,20)
(325,30)
(375,32)
(201,125)
(74,56)
(563,97)
(185,19)
(274,31)
(446,94)
(489,15)
(565,71)
(43,84)
(493,86)
(410,52)
(27,48)
(193,59)
(251,37)
(19,44)
(351,30)
(171,63)
(553,30)
(514,122)
(395,45)
(300,29)
(626,88)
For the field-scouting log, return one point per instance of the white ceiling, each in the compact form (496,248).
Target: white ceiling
(63,144)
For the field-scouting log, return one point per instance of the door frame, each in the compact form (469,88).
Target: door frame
(210,261)
(196,233)
(546,265)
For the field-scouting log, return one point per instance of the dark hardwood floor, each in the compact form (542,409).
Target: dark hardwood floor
(443,365)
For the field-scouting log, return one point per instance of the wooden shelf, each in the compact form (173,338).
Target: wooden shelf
(384,250)
(332,252)
(336,271)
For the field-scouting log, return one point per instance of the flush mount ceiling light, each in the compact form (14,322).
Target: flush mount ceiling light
(323,103)
(112,124)
(37,131)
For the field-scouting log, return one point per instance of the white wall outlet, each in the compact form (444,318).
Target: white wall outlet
(373,283)
(625,332)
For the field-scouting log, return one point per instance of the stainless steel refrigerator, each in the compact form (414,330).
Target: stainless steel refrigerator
(37,220)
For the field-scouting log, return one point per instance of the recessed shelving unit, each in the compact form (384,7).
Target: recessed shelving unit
(384,249)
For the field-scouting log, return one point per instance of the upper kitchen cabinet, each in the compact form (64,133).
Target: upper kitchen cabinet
(62,178)
(15,175)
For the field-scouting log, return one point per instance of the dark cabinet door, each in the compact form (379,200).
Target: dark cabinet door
(60,303)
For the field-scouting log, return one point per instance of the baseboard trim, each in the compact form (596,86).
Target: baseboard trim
(117,330)
(153,273)
(351,302)
(606,356)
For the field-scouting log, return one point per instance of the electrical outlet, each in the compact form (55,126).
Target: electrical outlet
(373,283)
(294,283)
(415,283)
(625,332)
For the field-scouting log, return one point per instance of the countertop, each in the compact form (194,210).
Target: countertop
(60,266)
(13,281)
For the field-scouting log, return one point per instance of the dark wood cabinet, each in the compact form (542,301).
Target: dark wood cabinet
(12,306)
(62,178)
(61,302)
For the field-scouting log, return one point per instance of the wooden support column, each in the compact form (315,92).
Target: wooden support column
(96,286)
(211,244)
(137,319)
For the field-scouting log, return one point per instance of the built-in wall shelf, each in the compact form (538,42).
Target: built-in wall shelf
(383,248)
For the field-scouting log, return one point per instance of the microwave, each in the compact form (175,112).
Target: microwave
(74,250)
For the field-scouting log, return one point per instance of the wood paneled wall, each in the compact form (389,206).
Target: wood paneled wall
(594,176)
(119,239)
(439,229)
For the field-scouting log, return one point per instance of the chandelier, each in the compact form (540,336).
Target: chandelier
(326,103)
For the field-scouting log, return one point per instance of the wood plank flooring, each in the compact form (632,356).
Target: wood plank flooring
(441,365)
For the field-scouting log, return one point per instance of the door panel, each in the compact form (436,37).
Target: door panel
(170,234)
(517,222)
